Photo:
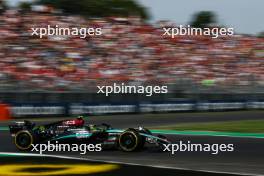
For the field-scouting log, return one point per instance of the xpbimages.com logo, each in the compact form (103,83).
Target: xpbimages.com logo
(191,31)
(191,147)
(56,147)
(131,89)
(65,31)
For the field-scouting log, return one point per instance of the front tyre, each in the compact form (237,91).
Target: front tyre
(24,140)
(130,141)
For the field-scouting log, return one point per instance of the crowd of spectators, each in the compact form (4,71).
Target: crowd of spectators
(129,50)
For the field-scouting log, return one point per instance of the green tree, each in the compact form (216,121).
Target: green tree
(99,8)
(3,6)
(261,34)
(25,6)
(203,19)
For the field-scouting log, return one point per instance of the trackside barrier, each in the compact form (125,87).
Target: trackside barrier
(52,110)
(5,113)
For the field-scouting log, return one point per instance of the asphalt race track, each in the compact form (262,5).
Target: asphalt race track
(247,159)
(17,166)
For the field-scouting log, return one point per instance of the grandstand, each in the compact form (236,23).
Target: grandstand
(129,51)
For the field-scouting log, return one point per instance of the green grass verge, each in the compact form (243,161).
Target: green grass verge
(244,126)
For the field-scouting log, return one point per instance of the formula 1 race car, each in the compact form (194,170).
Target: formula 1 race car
(26,133)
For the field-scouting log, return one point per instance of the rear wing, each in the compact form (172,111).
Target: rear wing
(18,126)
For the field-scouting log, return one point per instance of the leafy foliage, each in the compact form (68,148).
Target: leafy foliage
(99,8)
(203,19)
(3,6)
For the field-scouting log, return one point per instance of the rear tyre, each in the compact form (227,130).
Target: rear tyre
(24,140)
(130,140)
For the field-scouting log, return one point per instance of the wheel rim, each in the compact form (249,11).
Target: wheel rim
(23,140)
(128,141)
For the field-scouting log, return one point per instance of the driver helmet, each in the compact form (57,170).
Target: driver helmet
(80,117)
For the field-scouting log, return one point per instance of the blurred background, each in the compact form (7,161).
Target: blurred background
(62,72)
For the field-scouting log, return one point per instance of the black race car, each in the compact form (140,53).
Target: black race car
(26,133)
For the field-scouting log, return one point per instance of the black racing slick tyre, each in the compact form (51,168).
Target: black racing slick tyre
(24,140)
(130,140)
